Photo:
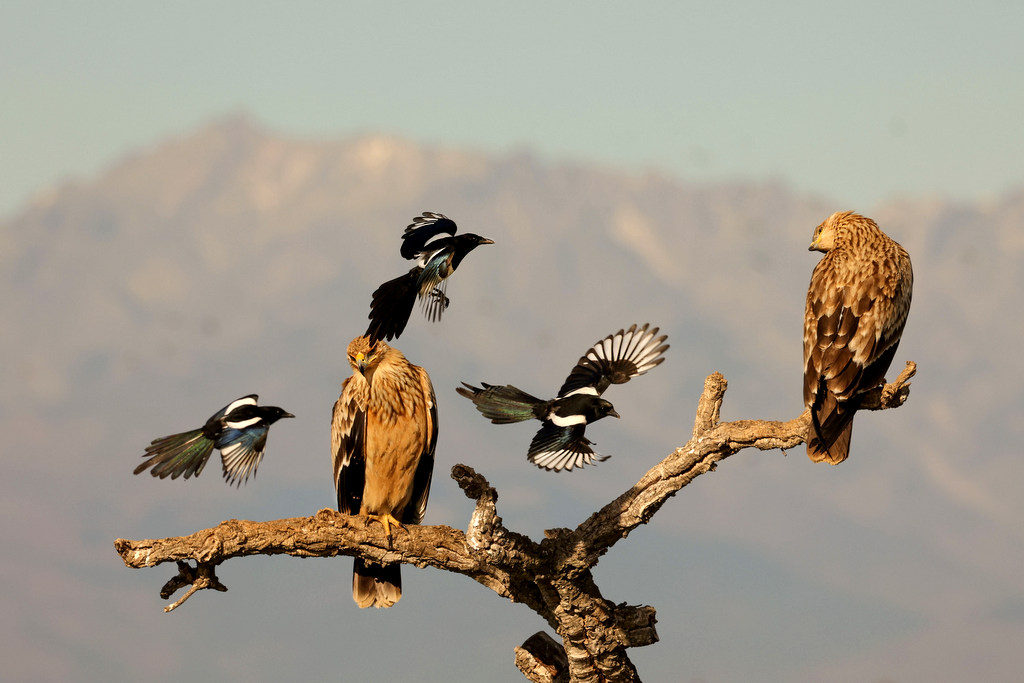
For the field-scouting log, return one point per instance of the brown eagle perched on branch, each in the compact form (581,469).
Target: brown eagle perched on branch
(383,435)
(857,306)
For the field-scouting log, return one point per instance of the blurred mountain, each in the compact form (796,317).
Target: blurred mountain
(233,219)
(234,260)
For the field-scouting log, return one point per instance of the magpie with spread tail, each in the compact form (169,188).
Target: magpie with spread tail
(431,241)
(238,430)
(561,443)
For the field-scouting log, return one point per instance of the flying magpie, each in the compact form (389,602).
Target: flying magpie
(431,241)
(239,430)
(561,443)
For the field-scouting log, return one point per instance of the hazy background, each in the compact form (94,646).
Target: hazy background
(196,203)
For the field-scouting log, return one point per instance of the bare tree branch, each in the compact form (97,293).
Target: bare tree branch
(203,575)
(553,576)
(542,659)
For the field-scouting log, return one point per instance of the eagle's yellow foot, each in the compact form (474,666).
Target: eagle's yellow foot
(387,520)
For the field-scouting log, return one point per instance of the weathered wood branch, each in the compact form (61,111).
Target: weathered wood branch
(553,576)
(712,442)
(542,659)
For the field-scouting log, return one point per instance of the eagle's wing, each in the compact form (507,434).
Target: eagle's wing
(417,506)
(348,425)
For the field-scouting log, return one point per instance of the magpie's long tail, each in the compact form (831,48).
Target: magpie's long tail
(177,455)
(392,305)
(502,404)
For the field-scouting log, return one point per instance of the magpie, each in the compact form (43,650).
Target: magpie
(239,430)
(561,442)
(431,241)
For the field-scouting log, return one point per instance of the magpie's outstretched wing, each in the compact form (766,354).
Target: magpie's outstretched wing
(241,451)
(422,229)
(392,305)
(616,359)
(562,448)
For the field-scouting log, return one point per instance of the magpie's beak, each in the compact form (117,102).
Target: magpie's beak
(613,413)
(287,415)
(486,241)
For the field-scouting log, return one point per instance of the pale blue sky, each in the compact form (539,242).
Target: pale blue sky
(858,102)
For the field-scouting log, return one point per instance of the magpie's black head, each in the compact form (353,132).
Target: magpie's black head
(602,408)
(462,245)
(471,240)
(272,414)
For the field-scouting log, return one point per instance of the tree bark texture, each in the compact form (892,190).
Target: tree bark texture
(553,576)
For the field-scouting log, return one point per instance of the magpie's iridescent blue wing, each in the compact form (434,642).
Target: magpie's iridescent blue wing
(433,285)
(241,451)
(436,302)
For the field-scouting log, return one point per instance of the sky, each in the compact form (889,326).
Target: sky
(857,102)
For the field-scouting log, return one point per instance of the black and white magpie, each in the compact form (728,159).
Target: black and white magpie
(239,430)
(561,442)
(431,241)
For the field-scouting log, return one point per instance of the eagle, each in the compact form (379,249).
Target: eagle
(383,435)
(857,306)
